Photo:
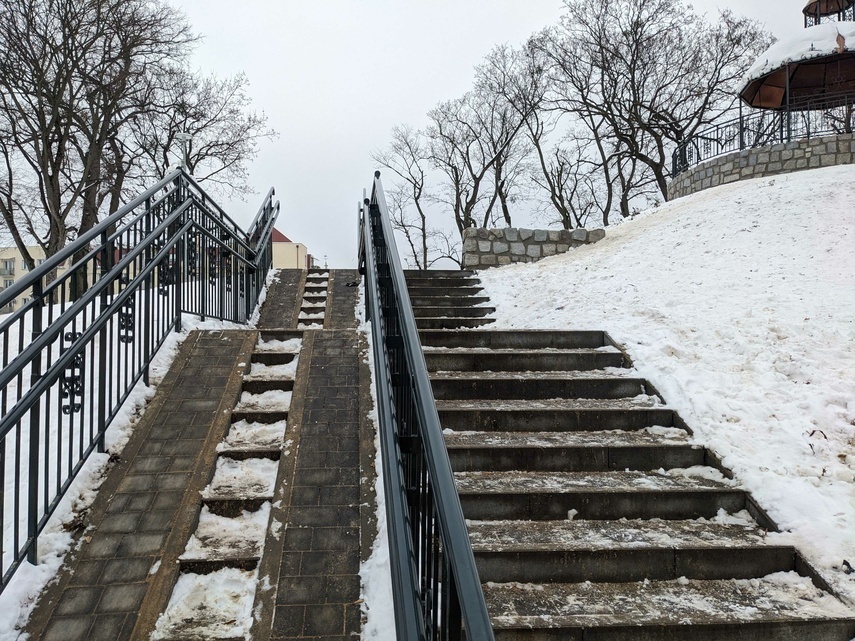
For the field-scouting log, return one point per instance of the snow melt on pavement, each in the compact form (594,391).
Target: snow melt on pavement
(738,304)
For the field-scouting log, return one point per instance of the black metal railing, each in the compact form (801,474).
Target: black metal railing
(73,353)
(435,583)
(762,128)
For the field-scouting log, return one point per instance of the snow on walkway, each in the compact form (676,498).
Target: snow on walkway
(738,304)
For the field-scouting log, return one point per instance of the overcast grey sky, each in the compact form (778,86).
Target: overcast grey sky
(334,77)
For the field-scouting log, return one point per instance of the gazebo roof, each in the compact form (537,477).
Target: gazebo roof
(821,66)
(826,7)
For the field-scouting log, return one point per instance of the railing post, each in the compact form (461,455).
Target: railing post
(35,420)
(147,287)
(106,263)
(741,127)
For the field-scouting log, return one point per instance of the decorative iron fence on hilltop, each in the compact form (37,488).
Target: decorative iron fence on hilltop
(762,128)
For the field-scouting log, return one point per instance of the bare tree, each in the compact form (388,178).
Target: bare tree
(652,72)
(74,71)
(407,157)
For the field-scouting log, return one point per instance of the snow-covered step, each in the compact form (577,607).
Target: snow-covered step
(217,605)
(626,550)
(516,339)
(440,281)
(529,360)
(454,311)
(272,400)
(560,415)
(280,343)
(248,436)
(221,541)
(451,322)
(448,301)
(423,289)
(273,371)
(780,607)
(676,494)
(573,451)
(242,479)
(518,386)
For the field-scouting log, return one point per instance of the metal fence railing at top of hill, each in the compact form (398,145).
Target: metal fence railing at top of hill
(437,593)
(72,354)
(761,128)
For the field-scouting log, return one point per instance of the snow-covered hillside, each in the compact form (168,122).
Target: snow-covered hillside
(738,304)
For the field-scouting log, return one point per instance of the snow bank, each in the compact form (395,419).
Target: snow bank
(738,304)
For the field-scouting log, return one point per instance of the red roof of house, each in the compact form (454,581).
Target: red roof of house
(278,237)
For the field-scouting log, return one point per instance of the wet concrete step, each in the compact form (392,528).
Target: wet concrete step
(452,312)
(440,273)
(448,301)
(625,551)
(779,607)
(442,282)
(452,323)
(571,451)
(510,360)
(418,291)
(273,358)
(554,416)
(514,339)
(506,386)
(260,385)
(549,496)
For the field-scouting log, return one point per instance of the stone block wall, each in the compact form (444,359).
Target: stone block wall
(765,161)
(494,247)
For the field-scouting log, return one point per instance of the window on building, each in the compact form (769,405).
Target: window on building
(8,282)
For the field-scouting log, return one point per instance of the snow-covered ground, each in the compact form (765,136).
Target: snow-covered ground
(738,304)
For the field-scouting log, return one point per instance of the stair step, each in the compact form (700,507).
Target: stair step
(571,451)
(259,416)
(453,312)
(558,416)
(516,339)
(434,282)
(779,607)
(508,386)
(444,291)
(451,323)
(448,301)
(624,551)
(224,541)
(551,496)
(261,385)
(508,360)
(440,273)
(273,358)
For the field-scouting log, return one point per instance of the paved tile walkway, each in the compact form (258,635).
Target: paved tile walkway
(319,584)
(120,578)
(142,509)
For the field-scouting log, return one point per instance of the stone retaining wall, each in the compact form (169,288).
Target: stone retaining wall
(765,161)
(494,247)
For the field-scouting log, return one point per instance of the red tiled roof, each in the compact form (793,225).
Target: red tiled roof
(278,237)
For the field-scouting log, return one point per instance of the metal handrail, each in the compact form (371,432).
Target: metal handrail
(436,588)
(825,115)
(69,362)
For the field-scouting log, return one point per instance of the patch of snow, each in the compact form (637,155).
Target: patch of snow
(248,478)
(217,536)
(737,304)
(269,401)
(210,606)
(375,573)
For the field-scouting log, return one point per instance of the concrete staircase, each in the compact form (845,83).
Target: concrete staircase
(593,514)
